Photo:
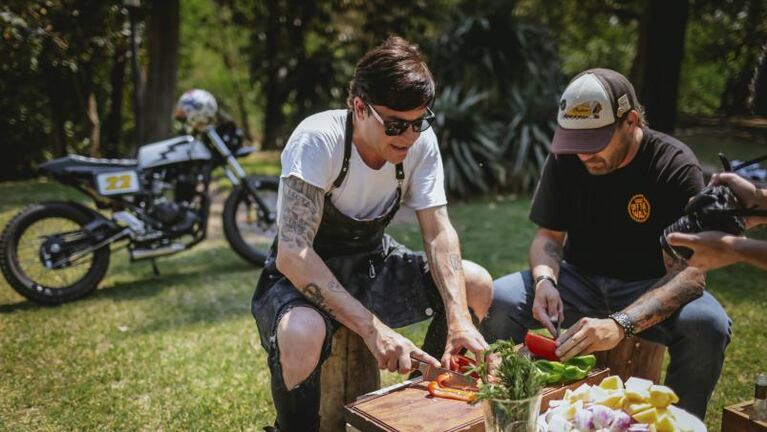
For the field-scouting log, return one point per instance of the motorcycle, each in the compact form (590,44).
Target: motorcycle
(57,251)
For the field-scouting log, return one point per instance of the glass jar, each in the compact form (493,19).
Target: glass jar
(512,415)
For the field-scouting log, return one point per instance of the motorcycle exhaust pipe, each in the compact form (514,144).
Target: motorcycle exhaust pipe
(139,254)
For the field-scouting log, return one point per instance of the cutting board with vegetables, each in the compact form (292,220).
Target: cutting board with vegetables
(408,407)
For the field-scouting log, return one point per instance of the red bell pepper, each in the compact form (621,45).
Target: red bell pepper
(462,364)
(541,346)
(451,393)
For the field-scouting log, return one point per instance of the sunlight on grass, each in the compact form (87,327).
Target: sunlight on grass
(181,351)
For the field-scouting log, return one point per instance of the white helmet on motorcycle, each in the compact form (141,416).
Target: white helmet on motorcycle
(197,108)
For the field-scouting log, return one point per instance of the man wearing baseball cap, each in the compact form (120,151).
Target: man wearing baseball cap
(606,192)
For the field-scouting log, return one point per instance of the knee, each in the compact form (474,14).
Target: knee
(712,328)
(300,337)
(479,288)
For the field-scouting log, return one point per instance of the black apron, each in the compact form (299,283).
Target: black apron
(389,279)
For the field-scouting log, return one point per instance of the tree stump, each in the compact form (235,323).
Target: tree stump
(350,371)
(634,357)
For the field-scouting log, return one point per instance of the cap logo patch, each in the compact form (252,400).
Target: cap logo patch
(584,110)
(623,105)
(639,208)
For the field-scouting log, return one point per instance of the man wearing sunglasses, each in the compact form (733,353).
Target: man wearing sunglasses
(345,174)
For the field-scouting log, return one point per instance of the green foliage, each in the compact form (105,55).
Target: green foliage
(517,376)
(499,85)
(56,53)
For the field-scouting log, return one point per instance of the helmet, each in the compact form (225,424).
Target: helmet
(197,108)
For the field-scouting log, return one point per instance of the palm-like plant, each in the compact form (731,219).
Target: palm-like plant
(499,85)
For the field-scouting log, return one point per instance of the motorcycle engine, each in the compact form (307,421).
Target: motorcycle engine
(177,196)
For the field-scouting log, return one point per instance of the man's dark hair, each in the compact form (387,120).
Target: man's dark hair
(394,75)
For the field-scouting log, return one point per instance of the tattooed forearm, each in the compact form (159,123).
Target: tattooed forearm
(677,288)
(553,250)
(301,206)
(445,262)
(314,294)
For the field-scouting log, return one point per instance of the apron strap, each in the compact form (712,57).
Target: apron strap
(400,175)
(347,150)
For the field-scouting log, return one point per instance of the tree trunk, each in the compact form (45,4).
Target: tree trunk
(760,85)
(737,96)
(95,121)
(114,120)
(662,50)
(160,90)
(273,117)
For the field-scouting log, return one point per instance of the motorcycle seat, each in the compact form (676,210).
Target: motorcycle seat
(75,164)
(102,162)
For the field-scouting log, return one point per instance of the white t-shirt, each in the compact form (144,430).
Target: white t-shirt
(314,153)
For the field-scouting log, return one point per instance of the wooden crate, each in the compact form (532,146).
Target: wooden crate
(736,418)
(408,407)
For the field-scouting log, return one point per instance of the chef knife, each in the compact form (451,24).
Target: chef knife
(430,373)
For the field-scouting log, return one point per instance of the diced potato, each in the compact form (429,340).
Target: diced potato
(634,408)
(666,424)
(613,382)
(636,395)
(649,416)
(661,389)
(569,412)
(638,384)
(614,400)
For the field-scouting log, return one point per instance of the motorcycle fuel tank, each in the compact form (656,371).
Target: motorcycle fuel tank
(173,150)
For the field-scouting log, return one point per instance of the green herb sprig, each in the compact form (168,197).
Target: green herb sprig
(516,377)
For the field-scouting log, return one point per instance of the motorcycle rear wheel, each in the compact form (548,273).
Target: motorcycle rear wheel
(21,260)
(248,234)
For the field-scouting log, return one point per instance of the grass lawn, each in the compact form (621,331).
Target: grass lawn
(180,351)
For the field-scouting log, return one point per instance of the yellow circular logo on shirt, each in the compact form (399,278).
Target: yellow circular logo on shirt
(639,208)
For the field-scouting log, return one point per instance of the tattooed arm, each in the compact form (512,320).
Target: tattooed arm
(301,206)
(443,252)
(679,286)
(545,258)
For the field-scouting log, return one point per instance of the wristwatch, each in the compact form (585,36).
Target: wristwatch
(625,322)
(542,277)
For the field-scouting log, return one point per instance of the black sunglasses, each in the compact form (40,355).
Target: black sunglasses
(398,127)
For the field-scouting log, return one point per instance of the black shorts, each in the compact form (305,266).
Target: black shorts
(392,282)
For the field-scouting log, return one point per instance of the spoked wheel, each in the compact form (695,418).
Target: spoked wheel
(249,228)
(41,254)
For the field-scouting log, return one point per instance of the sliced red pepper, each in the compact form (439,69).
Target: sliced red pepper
(451,393)
(442,380)
(462,364)
(541,346)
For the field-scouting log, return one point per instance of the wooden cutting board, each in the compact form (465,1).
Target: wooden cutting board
(408,407)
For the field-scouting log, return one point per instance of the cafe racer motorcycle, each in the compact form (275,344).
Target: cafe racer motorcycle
(157,204)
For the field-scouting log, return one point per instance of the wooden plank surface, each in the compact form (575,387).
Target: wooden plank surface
(410,408)
(735,418)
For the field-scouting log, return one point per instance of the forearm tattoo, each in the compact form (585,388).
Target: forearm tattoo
(553,250)
(678,287)
(301,206)
(314,294)
(443,266)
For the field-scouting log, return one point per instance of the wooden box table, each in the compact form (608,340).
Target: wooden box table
(736,418)
(408,407)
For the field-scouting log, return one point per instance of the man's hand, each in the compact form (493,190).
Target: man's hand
(711,249)
(393,351)
(547,306)
(463,335)
(589,335)
(748,194)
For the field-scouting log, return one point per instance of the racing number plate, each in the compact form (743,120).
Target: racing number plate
(117,182)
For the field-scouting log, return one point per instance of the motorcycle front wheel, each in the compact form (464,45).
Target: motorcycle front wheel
(249,228)
(35,248)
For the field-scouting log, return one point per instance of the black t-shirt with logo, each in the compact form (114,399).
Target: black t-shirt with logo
(614,221)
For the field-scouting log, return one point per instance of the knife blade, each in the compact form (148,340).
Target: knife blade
(430,373)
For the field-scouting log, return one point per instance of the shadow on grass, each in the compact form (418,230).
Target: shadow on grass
(182,271)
